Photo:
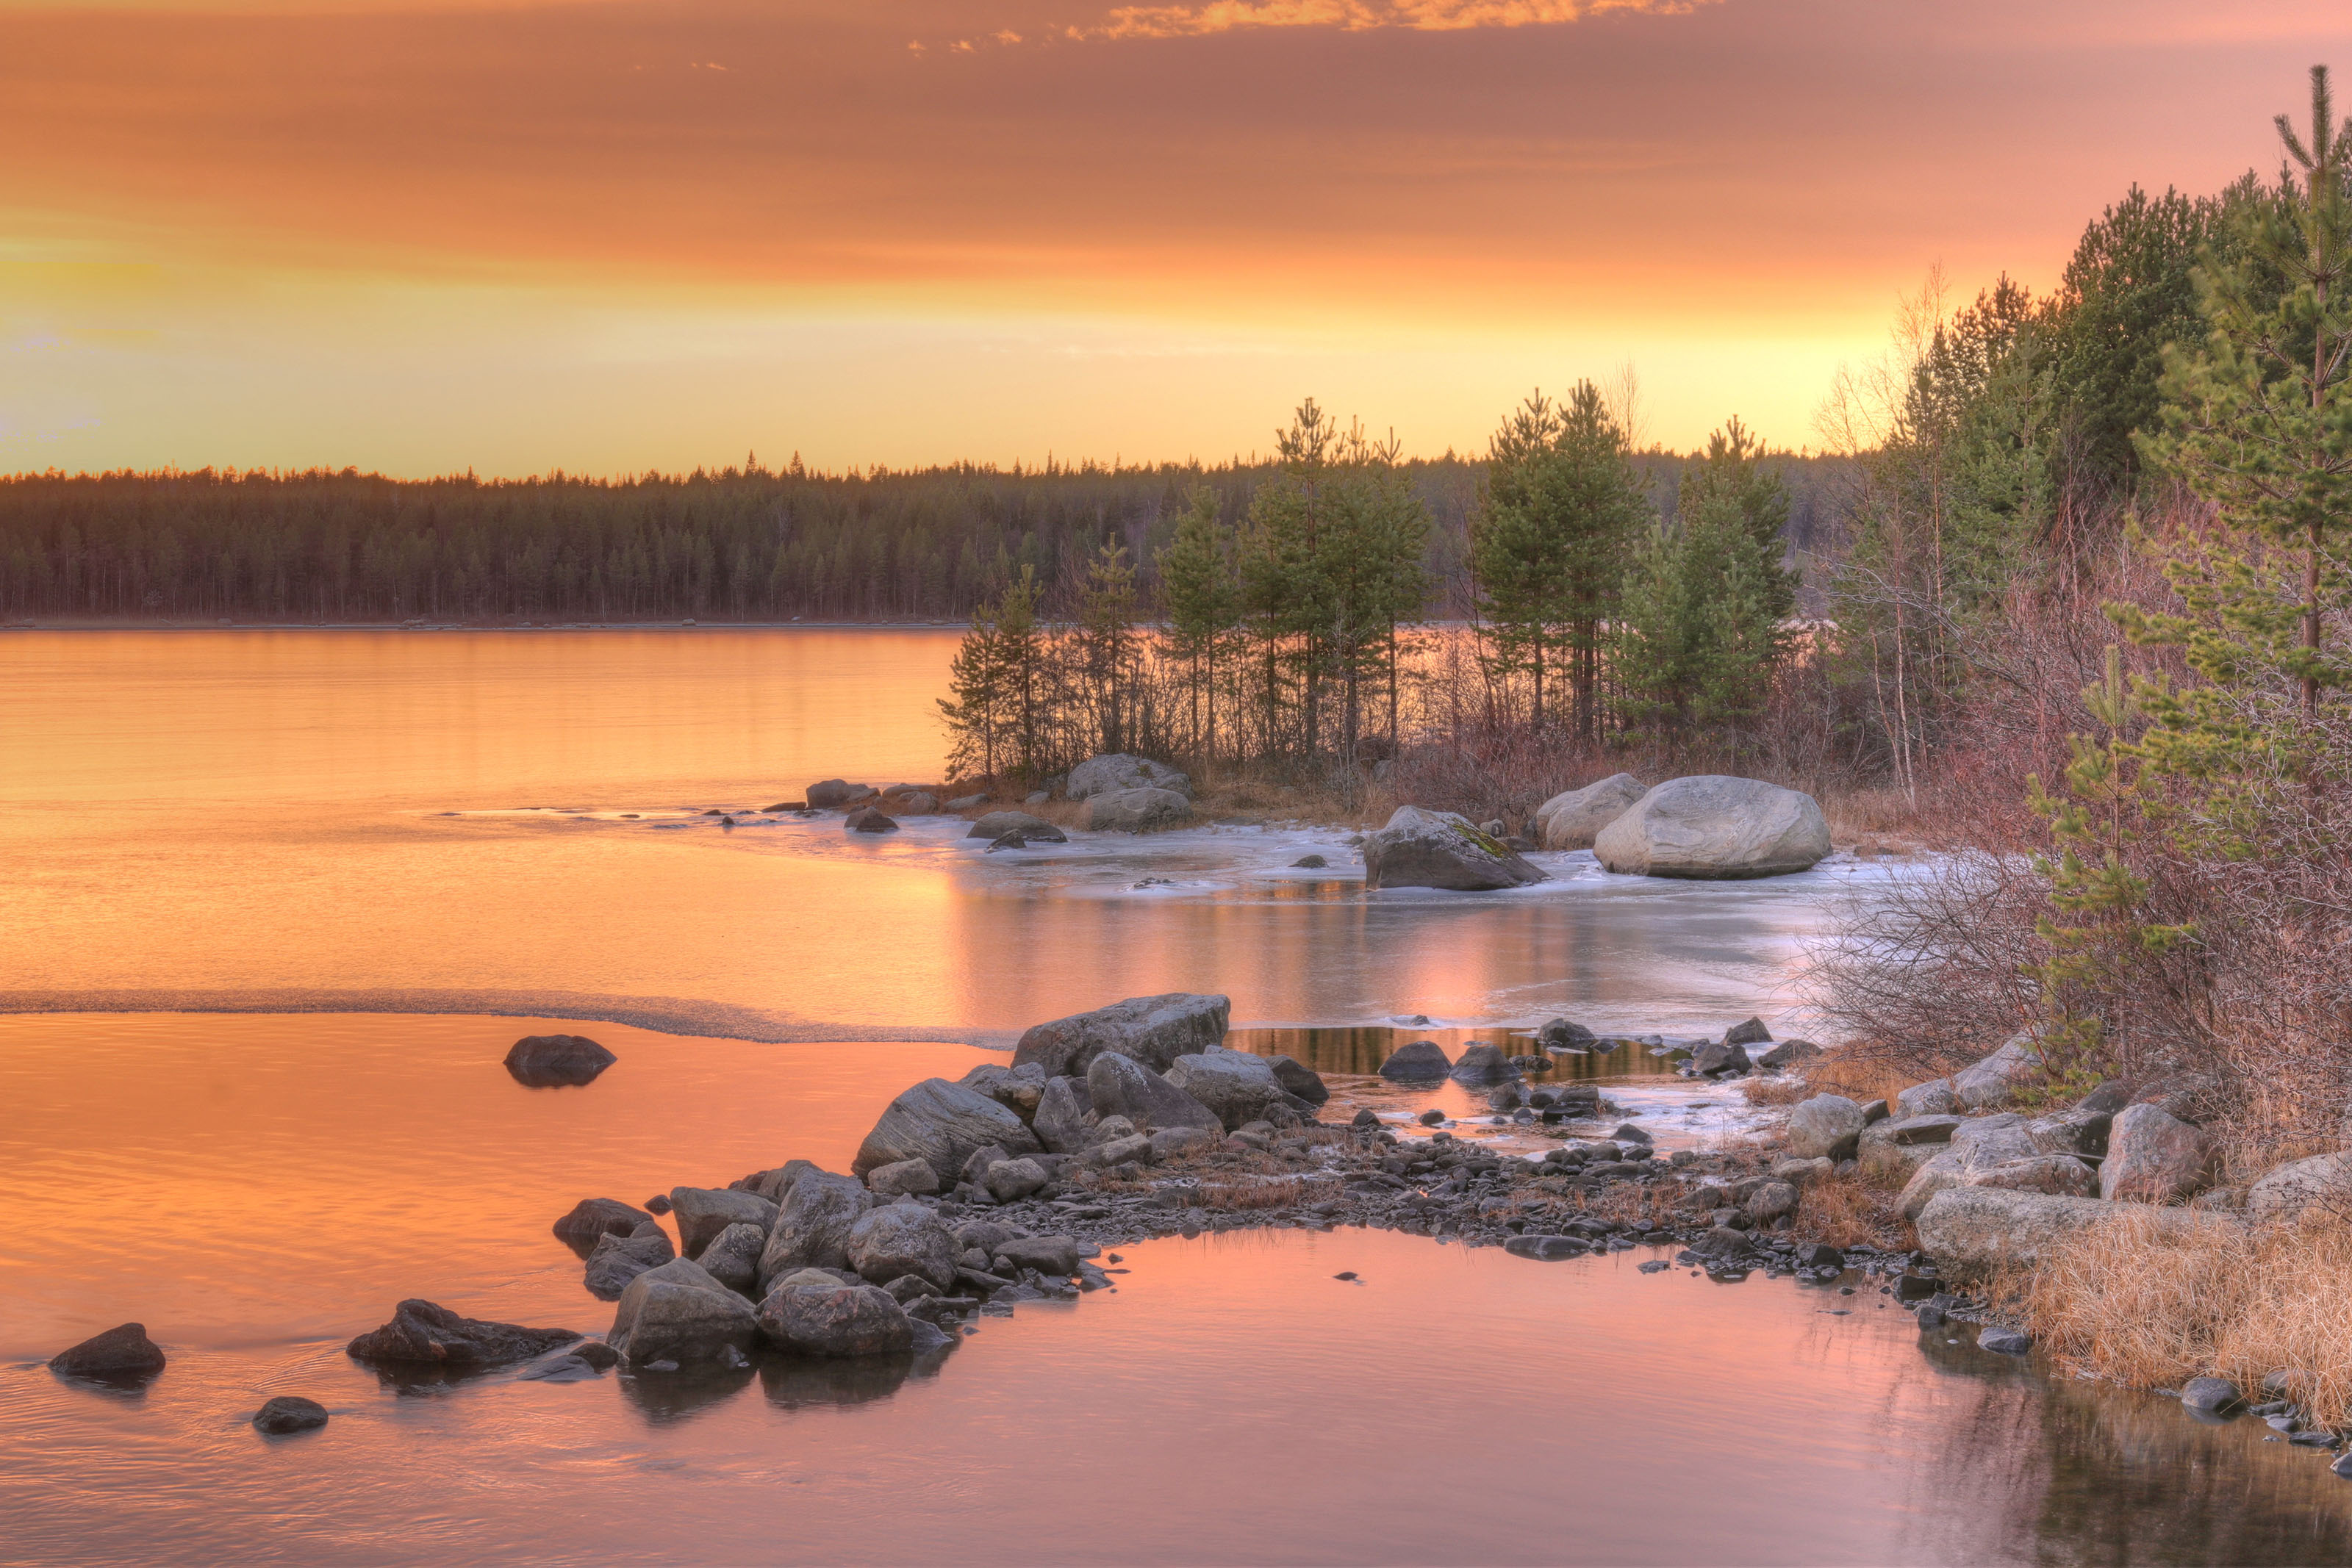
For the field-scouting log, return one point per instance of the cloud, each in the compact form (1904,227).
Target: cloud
(1362,15)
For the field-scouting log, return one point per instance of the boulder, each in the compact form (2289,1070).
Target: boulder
(1116,773)
(1423,1061)
(733,1257)
(2061,1174)
(1771,1200)
(1137,1147)
(550,1060)
(833,792)
(1922,1130)
(868,819)
(1010,1181)
(1802,1174)
(996,824)
(1299,1079)
(1827,1127)
(1441,849)
(1933,1098)
(1154,1030)
(289,1413)
(122,1355)
(1997,1077)
(1484,1064)
(1120,1087)
(966,802)
(1174,1143)
(940,1124)
(593,1216)
(1988,1140)
(421,1333)
(1063,1111)
(1018,1089)
(1560,1034)
(2078,1132)
(2154,1157)
(618,1259)
(1237,1086)
(900,1238)
(812,1229)
(915,803)
(1752,1032)
(2286,1192)
(1571,820)
(1054,1255)
(1941,1173)
(702,1212)
(1135,810)
(679,1314)
(2211,1395)
(1787,1054)
(1973,1230)
(835,1320)
(1712,826)
(1885,1162)
(1719,1059)
(899,1180)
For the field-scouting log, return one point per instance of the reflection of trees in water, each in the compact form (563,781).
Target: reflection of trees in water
(2067,1473)
(1362,1049)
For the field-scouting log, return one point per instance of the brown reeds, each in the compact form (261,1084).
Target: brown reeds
(2137,1305)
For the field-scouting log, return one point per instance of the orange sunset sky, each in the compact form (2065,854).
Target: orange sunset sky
(421,235)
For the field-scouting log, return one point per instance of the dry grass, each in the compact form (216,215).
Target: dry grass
(2124,1301)
(1780,1089)
(1845,1211)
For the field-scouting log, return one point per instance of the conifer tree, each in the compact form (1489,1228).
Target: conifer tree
(1202,603)
(1560,514)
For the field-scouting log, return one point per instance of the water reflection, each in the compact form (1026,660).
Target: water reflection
(666,1399)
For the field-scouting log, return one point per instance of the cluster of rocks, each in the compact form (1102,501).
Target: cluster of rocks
(2219,1399)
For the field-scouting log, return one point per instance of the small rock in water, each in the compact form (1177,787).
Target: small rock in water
(122,1355)
(657,1204)
(1654,1266)
(2343,1467)
(554,1061)
(289,1413)
(2007,1342)
(1431,1118)
(1309,863)
(1345,1274)
(2211,1395)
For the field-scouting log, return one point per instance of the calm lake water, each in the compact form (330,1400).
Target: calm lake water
(372,843)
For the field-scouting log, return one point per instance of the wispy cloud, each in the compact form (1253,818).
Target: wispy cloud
(1359,15)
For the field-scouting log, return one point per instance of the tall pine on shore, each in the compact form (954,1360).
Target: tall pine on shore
(1559,517)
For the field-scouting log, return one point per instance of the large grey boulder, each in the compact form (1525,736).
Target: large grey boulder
(702,1212)
(901,1238)
(550,1060)
(1153,1030)
(425,1334)
(812,1229)
(1062,1121)
(1713,826)
(2061,1174)
(996,824)
(618,1259)
(2323,1180)
(1973,1230)
(1239,1088)
(1423,1061)
(1299,1078)
(906,1177)
(679,1314)
(1116,772)
(1442,849)
(1992,1080)
(1886,1161)
(1826,1127)
(940,1124)
(835,1320)
(1121,1087)
(1720,1059)
(1571,820)
(1933,1098)
(2154,1157)
(1136,811)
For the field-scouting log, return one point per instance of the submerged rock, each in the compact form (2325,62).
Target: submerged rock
(1423,1061)
(122,1355)
(289,1413)
(553,1061)
(1714,826)
(1442,849)
(425,1334)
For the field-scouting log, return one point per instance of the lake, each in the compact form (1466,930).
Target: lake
(279,901)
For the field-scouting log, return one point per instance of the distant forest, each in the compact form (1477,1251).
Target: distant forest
(734,544)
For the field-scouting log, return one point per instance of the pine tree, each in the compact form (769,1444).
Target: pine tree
(1559,517)
(1105,647)
(1202,603)
(2261,420)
